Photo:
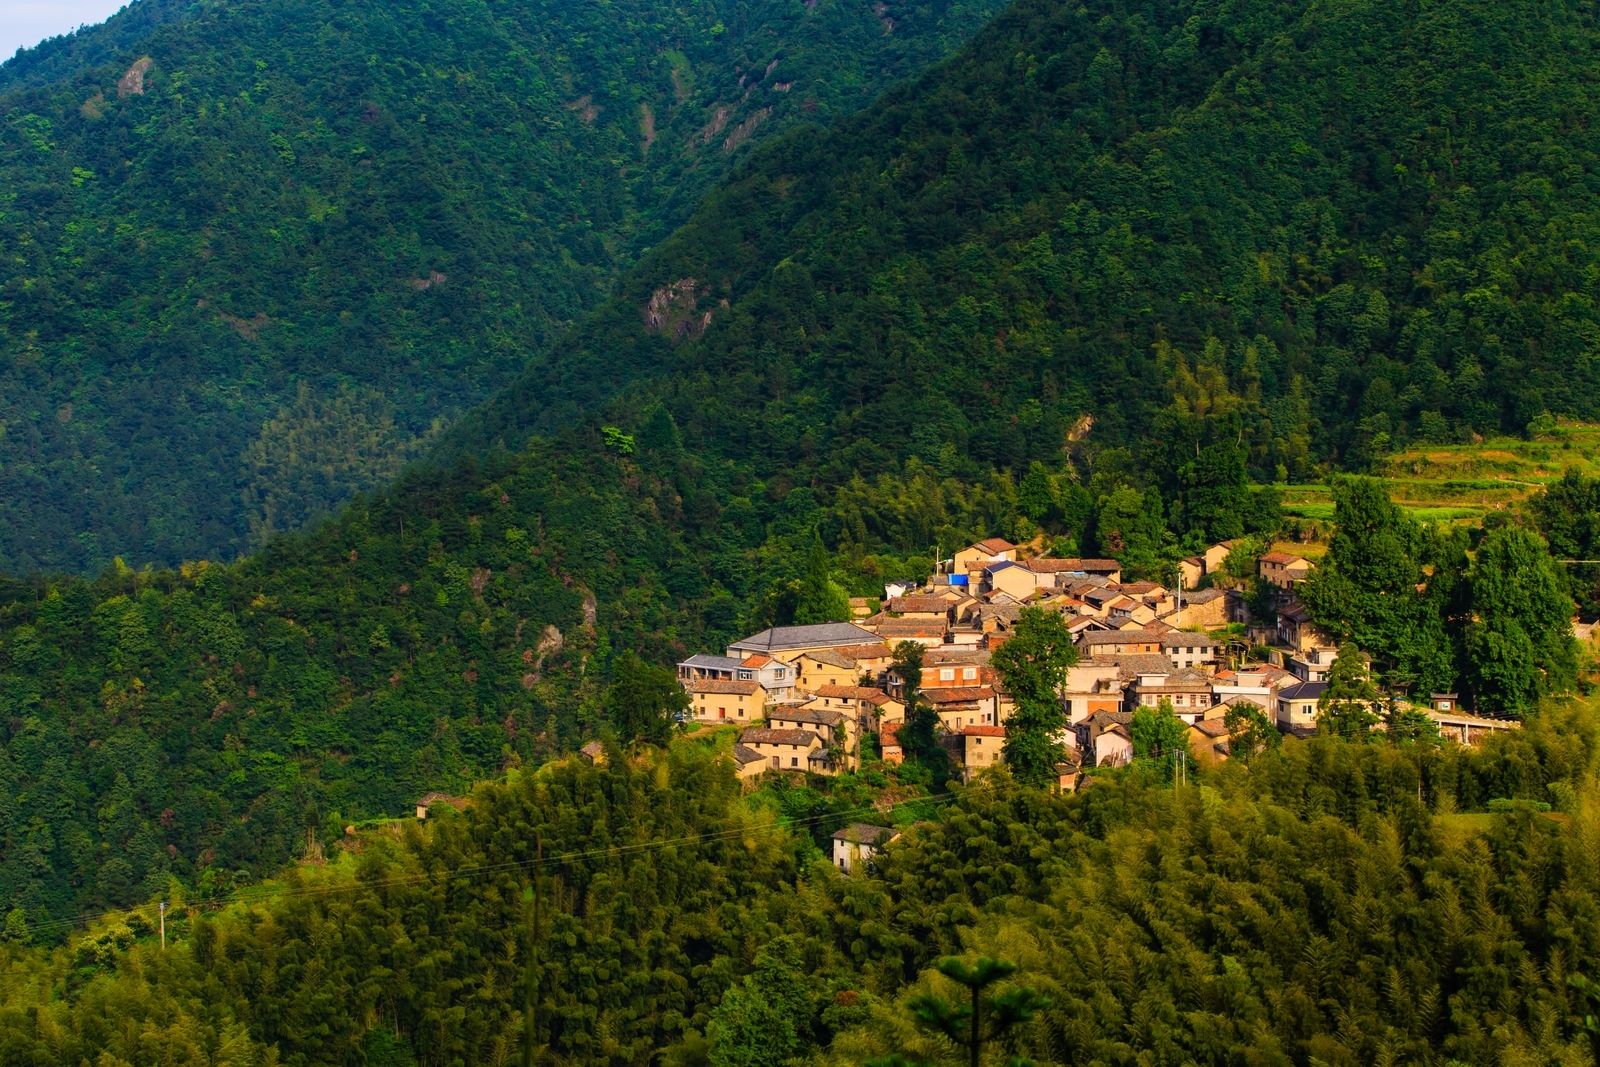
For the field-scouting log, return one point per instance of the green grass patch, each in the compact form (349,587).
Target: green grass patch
(1457,828)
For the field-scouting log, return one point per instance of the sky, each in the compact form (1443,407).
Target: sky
(24,23)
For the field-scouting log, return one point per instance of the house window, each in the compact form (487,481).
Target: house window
(969,672)
(947,674)
(781,672)
(747,676)
(794,761)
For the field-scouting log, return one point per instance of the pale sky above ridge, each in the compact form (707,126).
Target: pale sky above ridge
(24,23)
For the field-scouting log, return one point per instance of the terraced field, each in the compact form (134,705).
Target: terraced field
(1461,483)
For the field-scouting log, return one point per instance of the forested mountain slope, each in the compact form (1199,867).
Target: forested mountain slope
(1321,230)
(1324,904)
(252,254)
(1219,234)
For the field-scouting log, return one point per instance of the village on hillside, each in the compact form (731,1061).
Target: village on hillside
(817,699)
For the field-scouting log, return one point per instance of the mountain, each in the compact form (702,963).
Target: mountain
(1080,282)
(256,254)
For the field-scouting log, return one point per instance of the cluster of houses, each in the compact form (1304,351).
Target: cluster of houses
(811,697)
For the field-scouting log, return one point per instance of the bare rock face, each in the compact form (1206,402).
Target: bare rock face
(647,128)
(741,133)
(718,123)
(671,310)
(132,82)
(550,643)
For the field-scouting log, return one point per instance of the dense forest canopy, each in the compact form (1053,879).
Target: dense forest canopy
(1245,232)
(1331,902)
(227,228)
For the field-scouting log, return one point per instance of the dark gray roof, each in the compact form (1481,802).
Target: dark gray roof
(757,735)
(1303,691)
(1203,596)
(817,716)
(778,638)
(860,833)
(709,662)
(1130,666)
(743,754)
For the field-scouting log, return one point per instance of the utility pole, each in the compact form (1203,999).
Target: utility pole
(163,910)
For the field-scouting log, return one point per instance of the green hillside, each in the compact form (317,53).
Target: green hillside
(1086,280)
(253,255)
(1332,902)
(1465,482)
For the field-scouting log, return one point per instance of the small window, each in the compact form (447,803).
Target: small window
(969,672)
(947,674)
(794,761)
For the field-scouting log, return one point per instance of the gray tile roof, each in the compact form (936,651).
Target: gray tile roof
(778,638)
(743,755)
(816,716)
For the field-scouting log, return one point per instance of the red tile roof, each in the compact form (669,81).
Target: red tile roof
(961,695)
(994,544)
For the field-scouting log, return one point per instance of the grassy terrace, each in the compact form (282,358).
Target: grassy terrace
(1461,483)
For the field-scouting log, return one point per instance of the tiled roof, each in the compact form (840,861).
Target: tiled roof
(1132,665)
(961,695)
(758,735)
(945,656)
(994,544)
(1096,638)
(1303,691)
(724,686)
(1296,612)
(937,605)
(1185,639)
(1282,558)
(853,692)
(711,663)
(911,628)
(874,650)
(831,659)
(1187,678)
(816,716)
(743,754)
(755,661)
(824,634)
(1047,565)
(984,731)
